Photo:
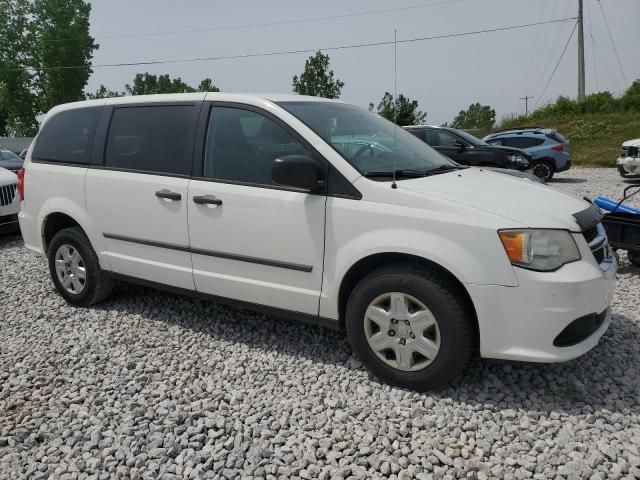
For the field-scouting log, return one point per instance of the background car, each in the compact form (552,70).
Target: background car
(10,160)
(549,149)
(466,149)
(9,202)
(629,160)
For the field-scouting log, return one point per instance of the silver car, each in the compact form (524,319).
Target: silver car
(9,202)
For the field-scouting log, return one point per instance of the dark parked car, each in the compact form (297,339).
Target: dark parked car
(10,160)
(466,149)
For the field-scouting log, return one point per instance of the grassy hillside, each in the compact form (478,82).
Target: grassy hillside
(595,138)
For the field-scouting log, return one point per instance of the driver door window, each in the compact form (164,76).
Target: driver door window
(445,139)
(242,145)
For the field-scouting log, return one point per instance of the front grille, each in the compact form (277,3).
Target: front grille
(590,234)
(7,194)
(599,245)
(629,152)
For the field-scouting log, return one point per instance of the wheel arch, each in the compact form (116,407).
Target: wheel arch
(58,214)
(366,265)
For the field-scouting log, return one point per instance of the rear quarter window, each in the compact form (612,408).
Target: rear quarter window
(67,137)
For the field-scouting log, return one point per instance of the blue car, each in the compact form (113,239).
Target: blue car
(549,149)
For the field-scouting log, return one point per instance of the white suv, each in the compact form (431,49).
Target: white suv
(9,202)
(288,204)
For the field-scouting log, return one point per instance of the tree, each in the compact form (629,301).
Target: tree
(103,92)
(402,111)
(61,39)
(476,116)
(147,84)
(18,108)
(207,85)
(316,79)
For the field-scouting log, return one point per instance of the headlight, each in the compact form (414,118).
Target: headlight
(541,250)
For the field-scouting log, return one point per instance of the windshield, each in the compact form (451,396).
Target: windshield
(366,140)
(470,138)
(8,155)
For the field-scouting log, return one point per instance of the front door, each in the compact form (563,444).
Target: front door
(252,240)
(138,197)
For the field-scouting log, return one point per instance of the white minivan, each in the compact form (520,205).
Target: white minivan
(321,211)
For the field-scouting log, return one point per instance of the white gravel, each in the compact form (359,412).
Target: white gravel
(151,385)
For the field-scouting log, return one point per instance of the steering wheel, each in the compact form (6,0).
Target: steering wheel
(361,150)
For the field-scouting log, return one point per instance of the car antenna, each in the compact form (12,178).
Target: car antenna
(395,103)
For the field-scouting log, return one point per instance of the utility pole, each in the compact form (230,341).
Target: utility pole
(526,104)
(580,54)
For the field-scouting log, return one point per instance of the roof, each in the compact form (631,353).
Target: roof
(522,130)
(250,98)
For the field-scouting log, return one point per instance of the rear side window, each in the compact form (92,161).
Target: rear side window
(556,137)
(68,136)
(155,139)
(523,142)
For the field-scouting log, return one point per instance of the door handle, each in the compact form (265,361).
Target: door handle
(206,200)
(168,194)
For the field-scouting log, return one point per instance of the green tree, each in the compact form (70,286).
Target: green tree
(18,108)
(207,85)
(103,92)
(61,39)
(402,111)
(148,84)
(316,79)
(476,116)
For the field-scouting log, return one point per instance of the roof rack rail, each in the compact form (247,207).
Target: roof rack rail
(519,128)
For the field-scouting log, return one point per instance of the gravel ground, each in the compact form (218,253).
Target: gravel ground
(152,385)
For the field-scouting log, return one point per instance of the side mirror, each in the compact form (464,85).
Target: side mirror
(460,146)
(297,171)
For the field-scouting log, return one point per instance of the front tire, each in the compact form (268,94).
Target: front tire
(543,169)
(410,327)
(75,268)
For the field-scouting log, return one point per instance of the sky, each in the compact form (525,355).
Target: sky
(444,75)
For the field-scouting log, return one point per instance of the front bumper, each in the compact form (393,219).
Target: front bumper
(522,323)
(628,165)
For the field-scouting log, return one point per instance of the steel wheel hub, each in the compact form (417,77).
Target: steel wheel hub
(70,269)
(402,331)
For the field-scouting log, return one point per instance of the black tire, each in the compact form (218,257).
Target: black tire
(634,258)
(543,169)
(622,172)
(97,285)
(446,303)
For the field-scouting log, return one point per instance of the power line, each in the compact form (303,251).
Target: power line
(557,63)
(281,22)
(293,52)
(624,77)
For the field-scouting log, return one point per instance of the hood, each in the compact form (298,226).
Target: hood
(632,143)
(13,165)
(521,201)
(7,177)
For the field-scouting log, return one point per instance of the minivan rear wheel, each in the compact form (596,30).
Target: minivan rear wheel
(543,169)
(410,327)
(75,268)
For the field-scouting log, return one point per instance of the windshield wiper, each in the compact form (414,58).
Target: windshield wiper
(443,169)
(404,172)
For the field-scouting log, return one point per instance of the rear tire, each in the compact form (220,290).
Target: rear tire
(634,258)
(75,268)
(543,169)
(423,348)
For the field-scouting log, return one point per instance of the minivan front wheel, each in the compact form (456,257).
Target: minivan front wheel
(75,268)
(410,327)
